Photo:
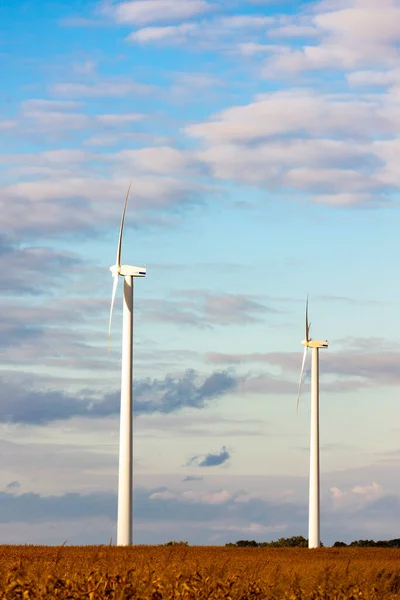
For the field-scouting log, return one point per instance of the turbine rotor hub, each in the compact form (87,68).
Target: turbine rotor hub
(115,269)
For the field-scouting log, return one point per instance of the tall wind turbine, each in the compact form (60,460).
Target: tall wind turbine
(125,479)
(314,500)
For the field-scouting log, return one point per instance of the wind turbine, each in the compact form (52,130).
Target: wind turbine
(314,500)
(125,479)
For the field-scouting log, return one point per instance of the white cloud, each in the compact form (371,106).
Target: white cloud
(195,497)
(292,31)
(252,48)
(300,140)
(111,88)
(351,35)
(301,163)
(374,78)
(160,159)
(52,120)
(119,119)
(358,495)
(50,163)
(203,310)
(143,12)
(371,24)
(85,188)
(122,138)
(216,32)
(7,124)
(196,80)
(164,495)
(343,199)
(336,180)
(64,156)
(176,33)
(218,497)
(48,205)
(41,105)
(325,56)
(246,21)
(50,116)
(368,491)
(297,110)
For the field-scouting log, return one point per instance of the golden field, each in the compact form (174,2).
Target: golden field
(157,572)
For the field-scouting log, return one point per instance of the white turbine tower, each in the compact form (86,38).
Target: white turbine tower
(314,501)
(125,479)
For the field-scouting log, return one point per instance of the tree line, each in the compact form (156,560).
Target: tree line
(298,541)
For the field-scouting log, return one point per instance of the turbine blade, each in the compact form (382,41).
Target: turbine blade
(118,261)
(301,375)
(307,325)
(114,292)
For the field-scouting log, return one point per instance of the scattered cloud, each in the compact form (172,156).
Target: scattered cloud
(349,36)
(274,114)
(211,460)
(246,21)
(331,152)
(176,33)
(292,30)
(119,119)
(29,405)
(161,160)
(237,359)
(378,368)
(13,486)
(170,394)
(30,269)
(359,495)
(111,88)
(202,309)
(219,497)
(58,117)
(110,139)
(48,331)
(144,12)
(41,104)
(212,31)
(51,120)
(7,124)
(46,206)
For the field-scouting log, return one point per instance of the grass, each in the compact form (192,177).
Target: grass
(157,572)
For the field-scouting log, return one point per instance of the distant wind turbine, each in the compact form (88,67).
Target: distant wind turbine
(125,479)
(314,499)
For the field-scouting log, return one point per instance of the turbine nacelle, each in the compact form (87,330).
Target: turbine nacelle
(315,343)
(126,270)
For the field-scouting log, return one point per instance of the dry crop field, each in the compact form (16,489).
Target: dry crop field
(157,572)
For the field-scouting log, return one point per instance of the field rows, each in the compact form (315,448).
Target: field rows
(156,572)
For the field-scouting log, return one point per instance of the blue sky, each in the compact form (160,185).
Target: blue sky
(262,139)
